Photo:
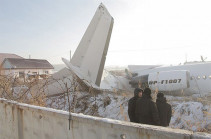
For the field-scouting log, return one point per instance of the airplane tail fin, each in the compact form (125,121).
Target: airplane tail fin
(90,55)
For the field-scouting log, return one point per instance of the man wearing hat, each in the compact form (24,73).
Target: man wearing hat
(132,104)
(164,110)
(146,110)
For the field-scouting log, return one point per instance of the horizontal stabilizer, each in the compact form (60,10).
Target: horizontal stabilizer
(79,73)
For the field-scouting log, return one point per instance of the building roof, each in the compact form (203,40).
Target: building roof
(7,55)
(18,63)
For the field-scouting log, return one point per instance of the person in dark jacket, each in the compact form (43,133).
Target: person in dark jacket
(146,110)
(132,104)
(164,110)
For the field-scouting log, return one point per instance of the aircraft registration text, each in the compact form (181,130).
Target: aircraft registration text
(165,81)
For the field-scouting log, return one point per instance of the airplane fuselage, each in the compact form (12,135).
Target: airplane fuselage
(197,79)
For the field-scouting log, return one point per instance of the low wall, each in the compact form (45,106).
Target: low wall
(23,121)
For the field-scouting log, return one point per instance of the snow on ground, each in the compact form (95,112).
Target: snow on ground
(188,112)
(190,115)
(105,104)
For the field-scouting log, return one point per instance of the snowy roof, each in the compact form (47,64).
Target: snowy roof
(7,55)
(28,63)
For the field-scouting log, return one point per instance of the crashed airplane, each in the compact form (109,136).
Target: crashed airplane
(89,58)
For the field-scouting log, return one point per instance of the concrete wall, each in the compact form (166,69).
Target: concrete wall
(22,121)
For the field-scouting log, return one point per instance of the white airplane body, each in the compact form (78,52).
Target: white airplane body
(193,78)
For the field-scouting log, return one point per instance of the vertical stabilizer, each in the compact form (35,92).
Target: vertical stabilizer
(89,57)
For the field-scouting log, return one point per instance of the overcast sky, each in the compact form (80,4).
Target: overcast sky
(144,32)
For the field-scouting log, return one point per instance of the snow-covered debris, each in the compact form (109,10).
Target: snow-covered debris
(111,82)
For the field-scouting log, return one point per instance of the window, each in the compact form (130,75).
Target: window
(46,72)
(192,77)
(204,77)
(210,76)
(21,74)
(35,73)
(198,77)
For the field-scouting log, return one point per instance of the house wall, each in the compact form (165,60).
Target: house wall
(15,72)
(22,121)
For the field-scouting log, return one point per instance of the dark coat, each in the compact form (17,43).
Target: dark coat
(146,111)
(132,107)
(164,110)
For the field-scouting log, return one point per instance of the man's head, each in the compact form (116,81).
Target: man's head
(159,95)
(147,92)
(138,92)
